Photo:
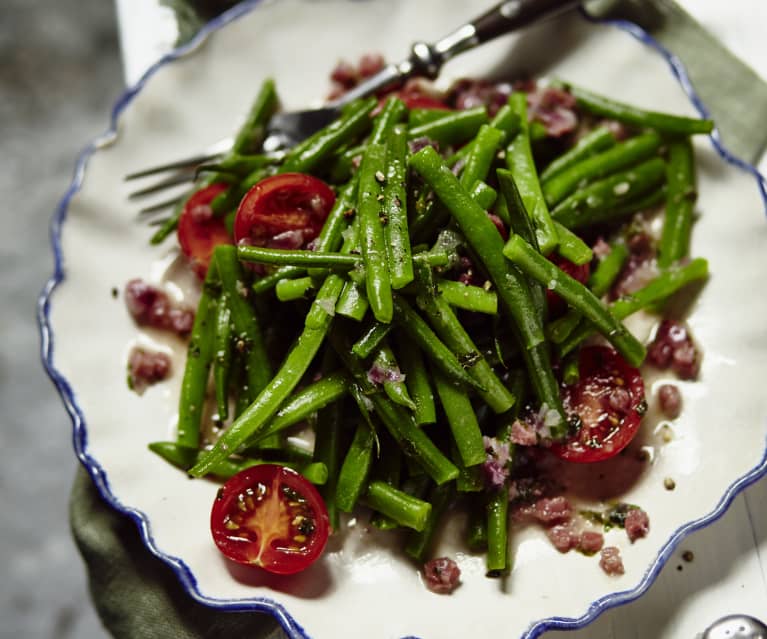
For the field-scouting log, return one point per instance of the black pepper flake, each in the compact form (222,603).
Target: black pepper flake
(115,292)
(349,212)
(669,484)
(688,556)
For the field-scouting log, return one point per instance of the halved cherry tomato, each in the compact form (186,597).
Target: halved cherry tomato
(199,231)
(581,273)
(283,211)
(610,401)
(270,516)
(421,101)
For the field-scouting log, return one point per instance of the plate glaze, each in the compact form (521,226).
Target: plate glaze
(198,95)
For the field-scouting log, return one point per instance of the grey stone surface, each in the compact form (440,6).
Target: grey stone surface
(59,74)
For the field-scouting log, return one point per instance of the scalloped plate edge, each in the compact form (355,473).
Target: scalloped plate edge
(185,575)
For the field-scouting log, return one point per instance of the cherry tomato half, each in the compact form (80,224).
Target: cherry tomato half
(581,273)
(199,231)
(610,401)
(283,211)
(270,516)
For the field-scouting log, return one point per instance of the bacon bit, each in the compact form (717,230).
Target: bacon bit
(523,434)
(149,306)
(289,240)
(146,368)
(370,64)
(468,93)
(547,510)
(601,248)
(674,348)
(345,74)
(637,524)
(610,561)
(562,537)
(554,108)
(591,542)
(670,400)
(640,268)
(442,575)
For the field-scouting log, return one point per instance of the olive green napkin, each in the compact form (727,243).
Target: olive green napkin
(137,595)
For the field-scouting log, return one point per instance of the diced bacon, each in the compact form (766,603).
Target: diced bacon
(562,537)
(345,74)
(554,108)
(470,93)
(611,562)
(547,510)
(370,64)
(150,306)
(670,400)
(146,368)
(673,348)
(442,575)
(637,524)
(590,542)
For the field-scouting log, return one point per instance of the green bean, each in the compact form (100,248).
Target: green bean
(480,158)
(681,195)
(331,235)
(183,457)
(387,468)
(449,329)
(392,113)
(304,403)
(602,200)
(396,234)
(352,302)
(419,543)
(576,295)
(505,120)
(572,247)
(372,243)
(436,350)
(256,416)
(370,339)
(600,281)
(621,156)
(461,419)
(222,356)
(319,146)
(663,122)
(484,194)
(417,117)
(467,297)
(599,139)
(352,479)
(470,479)
(304,258)
(171,223)
(405,509)
(417,380)
(198,361)
(268,282)
(498,559)
(247,331)
(413,442)
(452,128)
(519,160)
(235,166)
(395,388)
(476,530)
(511,286)
(252,132)
(289,290)
(570,370)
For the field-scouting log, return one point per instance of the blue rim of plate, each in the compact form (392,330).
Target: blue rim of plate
(99,476)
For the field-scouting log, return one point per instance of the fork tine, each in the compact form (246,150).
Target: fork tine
(187,163)
(173,180)
(154,208)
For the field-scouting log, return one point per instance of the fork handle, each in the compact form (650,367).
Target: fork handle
(427,59)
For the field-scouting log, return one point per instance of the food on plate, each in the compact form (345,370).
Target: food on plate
(432,289)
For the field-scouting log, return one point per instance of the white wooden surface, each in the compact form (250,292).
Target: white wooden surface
(729,571)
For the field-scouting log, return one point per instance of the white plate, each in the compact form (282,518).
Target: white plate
(361,588)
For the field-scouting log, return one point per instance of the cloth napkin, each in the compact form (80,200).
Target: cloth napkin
(137,595)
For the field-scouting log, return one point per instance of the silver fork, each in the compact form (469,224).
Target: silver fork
(287,129)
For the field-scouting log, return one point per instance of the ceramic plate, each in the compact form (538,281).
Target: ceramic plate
(362,587)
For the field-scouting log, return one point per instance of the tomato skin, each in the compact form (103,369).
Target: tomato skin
(272,517)
(199,231)
(610,401)
(283,211)
(556,304)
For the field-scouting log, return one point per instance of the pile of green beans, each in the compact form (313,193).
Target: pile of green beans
(371,339)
